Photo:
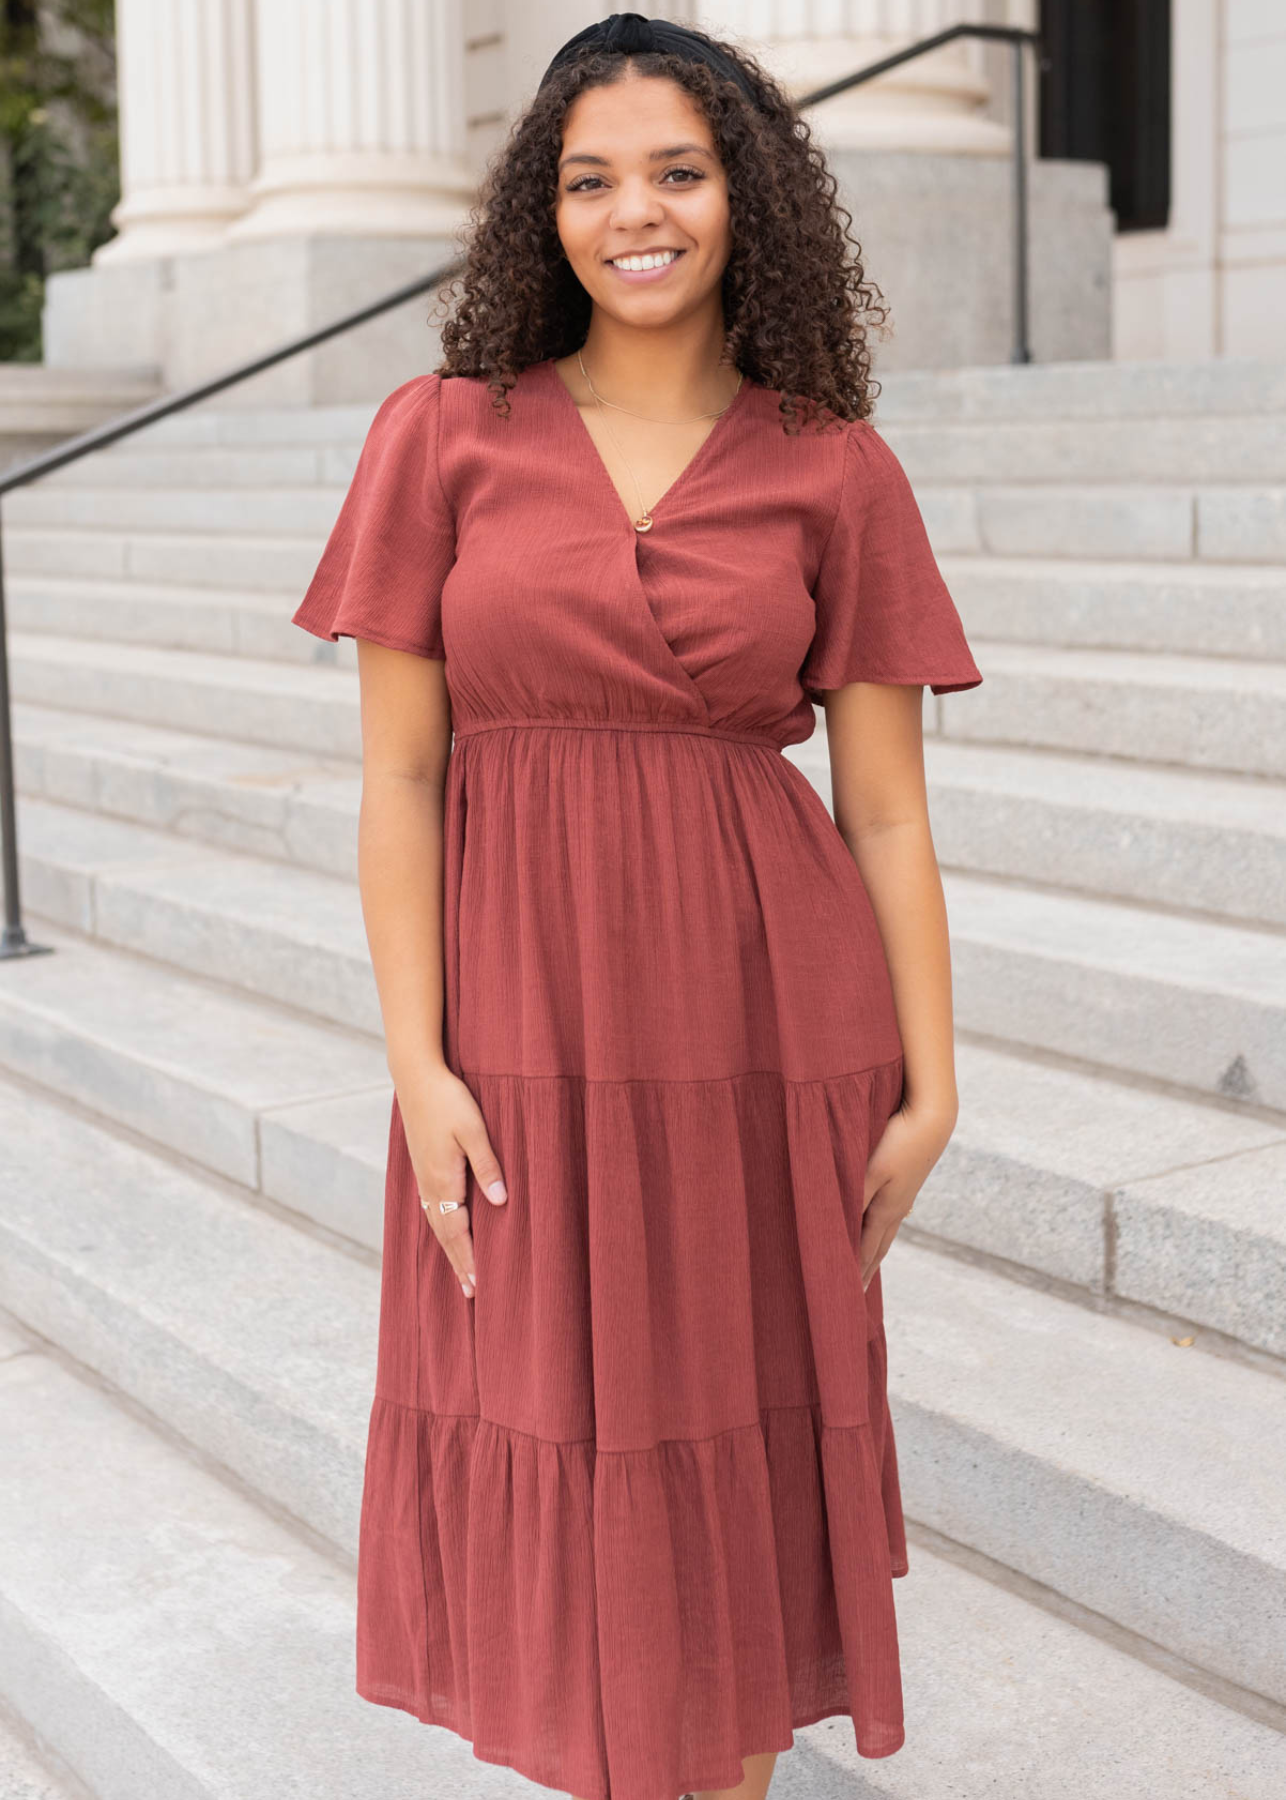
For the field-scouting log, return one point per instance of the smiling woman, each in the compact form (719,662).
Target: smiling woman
(631,1513)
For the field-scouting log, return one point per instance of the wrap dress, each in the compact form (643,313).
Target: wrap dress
(632,1512)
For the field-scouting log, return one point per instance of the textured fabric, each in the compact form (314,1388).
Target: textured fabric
(632,1512)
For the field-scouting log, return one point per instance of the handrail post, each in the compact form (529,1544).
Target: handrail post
(1022,347)
(13,940)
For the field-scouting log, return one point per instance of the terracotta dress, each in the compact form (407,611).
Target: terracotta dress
(632,1512)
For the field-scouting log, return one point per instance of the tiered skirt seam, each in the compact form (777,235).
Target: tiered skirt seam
(683,1080)
(755,1424)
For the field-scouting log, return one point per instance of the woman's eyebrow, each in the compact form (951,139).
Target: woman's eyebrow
(602,162)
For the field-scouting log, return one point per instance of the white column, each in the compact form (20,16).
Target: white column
(185,91)
(932,102)
(361,119)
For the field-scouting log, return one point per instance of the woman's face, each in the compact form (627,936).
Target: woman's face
(639,173)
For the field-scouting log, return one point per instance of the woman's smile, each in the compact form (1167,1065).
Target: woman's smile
(629,270)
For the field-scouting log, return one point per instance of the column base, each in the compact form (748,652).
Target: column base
(193,316)
(937,239)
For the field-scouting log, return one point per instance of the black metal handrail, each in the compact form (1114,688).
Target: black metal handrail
(13,939)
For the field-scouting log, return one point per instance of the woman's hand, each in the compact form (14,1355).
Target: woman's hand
(446,1135)
(912,1141)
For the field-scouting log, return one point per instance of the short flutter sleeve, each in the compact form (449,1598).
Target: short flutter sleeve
(883,611)
(393,543)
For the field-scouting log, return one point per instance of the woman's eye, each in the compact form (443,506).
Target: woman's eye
(580,185)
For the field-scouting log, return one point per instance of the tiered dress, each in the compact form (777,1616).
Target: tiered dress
(632,1512)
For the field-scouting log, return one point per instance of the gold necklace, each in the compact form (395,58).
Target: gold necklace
(644,520)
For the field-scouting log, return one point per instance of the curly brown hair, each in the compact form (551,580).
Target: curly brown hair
(797,306)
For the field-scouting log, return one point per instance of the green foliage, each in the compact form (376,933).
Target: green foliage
(59,165)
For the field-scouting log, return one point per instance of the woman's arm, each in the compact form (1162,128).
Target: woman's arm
(880,807)
(406,745)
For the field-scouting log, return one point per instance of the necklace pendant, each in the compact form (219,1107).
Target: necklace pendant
(643,524)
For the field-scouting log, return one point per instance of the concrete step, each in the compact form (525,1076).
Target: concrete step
(245,512)
(218,559)
(1098,1456)
(221,1327)
(257,1627)
(1188,711)
(294,1110)
(23,1772)
(268,929)
(142,462)
(159,615)
(172,1641)
(1209,450)
(1190,1001)
(1170,608)
(213,425)
(1231,386)
(1173,837)
(1118,521)
(1116,1191)
(313,707)
(251,798)
(251,1337)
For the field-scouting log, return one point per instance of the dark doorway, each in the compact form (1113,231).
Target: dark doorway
(1106,98)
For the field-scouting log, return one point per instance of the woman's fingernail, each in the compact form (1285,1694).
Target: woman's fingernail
(497,1191)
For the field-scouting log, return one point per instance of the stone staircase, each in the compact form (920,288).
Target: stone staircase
(1087,1318)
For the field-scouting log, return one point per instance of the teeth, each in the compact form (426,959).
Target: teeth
(644,262)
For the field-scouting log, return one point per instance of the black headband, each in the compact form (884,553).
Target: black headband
(630,33)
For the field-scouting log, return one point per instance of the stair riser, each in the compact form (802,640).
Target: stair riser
(288,512)
(268,564)
(1196,1597)
(285,827)
(326,726)
(1204,614)
(1090,393)
(281,1456)
(1210,451)
(115,1756)
(1234,874)
(1219,728)
(215,627)
(1129,1245)
(1230,1047)
(189,466)
(255,960)
(1233,525)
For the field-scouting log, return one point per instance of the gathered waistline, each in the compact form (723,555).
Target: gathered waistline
(681,727)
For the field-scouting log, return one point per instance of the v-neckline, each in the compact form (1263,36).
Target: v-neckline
(595,455)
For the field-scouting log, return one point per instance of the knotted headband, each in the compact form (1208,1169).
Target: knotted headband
(631,34)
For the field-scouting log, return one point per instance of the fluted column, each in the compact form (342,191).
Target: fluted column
(930,103)
(361,119)
(185,87)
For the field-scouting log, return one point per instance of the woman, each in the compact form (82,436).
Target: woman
(671,1048)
